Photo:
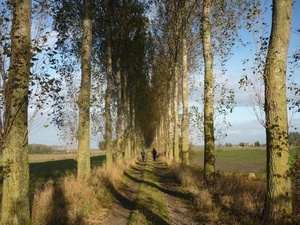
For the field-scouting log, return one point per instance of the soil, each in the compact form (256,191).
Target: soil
(176,201)
(125,198)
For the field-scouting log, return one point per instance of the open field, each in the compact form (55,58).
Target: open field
(51,167)
(242,160)
(53,157)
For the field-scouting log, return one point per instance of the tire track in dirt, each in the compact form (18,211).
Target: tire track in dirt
(126,197)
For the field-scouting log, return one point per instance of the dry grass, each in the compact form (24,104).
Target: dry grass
(234,199)
(70,201)
(73,201)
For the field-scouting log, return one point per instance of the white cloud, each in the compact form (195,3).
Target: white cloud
(246,131)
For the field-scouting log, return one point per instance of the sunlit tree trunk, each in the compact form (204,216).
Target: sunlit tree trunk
(15,202)
(83,133)
(127,137)
(175,111)
(209,145)
(165,137)
(126,150)
(162,135)
(108,118)
(279,197)
(170,120)
(185,94)
(134,132)
(170,132)
(119,111)
(166,132)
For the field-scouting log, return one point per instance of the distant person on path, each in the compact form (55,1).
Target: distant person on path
(154,153)
(143,153)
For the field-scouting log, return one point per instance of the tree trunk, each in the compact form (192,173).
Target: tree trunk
(108,118)
(15,202)
(83,133)
(278,204)
(133,129)
(120,108)
(119,113)
(170,148)
(160,133)
(127,144)
(209,140)
(185,95)
(176,120)
(165,133)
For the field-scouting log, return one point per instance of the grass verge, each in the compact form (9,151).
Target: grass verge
(64,199)
(79,201)
(234,199)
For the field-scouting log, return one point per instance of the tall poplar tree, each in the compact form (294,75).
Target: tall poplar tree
(209,143)
(15,201)
(185,90)
(73,22)
(109,75)
(190,10)
(221,21)
(83,133)
(278,204)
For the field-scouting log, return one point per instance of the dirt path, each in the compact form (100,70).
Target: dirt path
(126,198)
(173,198)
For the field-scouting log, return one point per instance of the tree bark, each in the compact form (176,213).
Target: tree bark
(127,144)
(120,112)
(175,111)
(185,93)
(209,140)
(278,204)
(108,118)
(15,201)
(170,148)
(83,133)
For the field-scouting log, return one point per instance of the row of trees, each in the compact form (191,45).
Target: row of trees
(134,59)
(39,149)
(243,144)
(111,42)
(294,138)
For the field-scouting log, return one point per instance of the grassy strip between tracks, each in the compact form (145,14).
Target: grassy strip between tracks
(150,207)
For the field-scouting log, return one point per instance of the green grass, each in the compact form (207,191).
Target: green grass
(244,160)
(150,207)
(42,172)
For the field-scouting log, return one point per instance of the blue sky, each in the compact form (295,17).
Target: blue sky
(245,126)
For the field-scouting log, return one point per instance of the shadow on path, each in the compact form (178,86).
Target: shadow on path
(167,178)
(126,196)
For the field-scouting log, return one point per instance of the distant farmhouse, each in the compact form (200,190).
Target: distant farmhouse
(247,144)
